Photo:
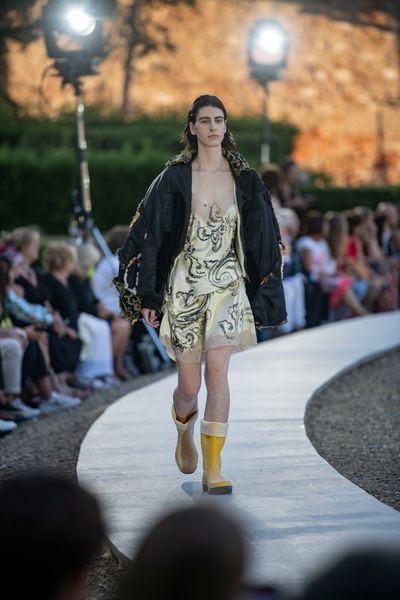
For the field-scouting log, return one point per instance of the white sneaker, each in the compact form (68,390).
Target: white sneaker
(58,401)
(7,426)
(26,411)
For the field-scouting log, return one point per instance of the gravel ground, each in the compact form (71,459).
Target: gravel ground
(354,424)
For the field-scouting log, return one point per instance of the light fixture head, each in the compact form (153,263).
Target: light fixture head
(80,22)
(268,46)
(73,31)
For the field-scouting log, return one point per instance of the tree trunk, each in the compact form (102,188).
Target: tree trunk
(129,68)
(5,99)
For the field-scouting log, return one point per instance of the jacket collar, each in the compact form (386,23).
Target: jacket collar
(236,160)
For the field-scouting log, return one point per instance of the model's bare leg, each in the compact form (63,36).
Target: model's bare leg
(184,414)
(187,390)
(216,378)
(214,427)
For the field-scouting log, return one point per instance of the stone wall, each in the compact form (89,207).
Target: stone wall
(340,77)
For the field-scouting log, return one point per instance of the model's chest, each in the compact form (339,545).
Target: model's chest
(210,188)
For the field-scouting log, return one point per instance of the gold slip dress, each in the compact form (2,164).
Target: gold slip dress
(205,303)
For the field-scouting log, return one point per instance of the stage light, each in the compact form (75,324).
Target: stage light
(271,43)
(267,53)
(267,50)
(74,33)
(81,22)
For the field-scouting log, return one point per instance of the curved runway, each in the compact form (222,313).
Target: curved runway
(295,508)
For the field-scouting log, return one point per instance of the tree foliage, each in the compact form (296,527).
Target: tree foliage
(358,12)
(141,36)
(16,24)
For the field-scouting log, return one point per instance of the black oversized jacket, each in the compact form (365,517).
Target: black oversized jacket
(158,232)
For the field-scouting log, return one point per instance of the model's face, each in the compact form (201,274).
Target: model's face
(210,126)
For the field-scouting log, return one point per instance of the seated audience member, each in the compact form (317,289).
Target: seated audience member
(356,259)
(360,575)
(50,530)
(389,234)
(105,271)
(337,241)
(293,278)
(291,194)
(33,375)
(96,362)
(194,553)
(64,344)
(80,282)
(321,270)
(272,177)
(7,424)
(375,258)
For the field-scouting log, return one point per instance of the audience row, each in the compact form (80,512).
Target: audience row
(58,341)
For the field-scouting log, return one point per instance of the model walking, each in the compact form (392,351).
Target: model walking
(208,246)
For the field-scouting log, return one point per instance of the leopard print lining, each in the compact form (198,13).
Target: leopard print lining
(130,304)
(236,160)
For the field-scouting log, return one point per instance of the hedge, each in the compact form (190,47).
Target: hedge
(35,187)
(339,198)
(142,135)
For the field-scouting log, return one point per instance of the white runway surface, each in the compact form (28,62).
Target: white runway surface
(295,508)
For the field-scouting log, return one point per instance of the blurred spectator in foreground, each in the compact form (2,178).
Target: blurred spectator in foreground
(80,282)
(361,575)
(191,554)
(50,530)
(105,271)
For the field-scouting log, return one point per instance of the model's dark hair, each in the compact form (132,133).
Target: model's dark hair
(189,139)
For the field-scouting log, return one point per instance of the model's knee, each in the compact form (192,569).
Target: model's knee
(215,377)
(188,391)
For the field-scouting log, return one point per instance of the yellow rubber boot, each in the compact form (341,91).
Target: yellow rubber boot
(186,454)
(213,436)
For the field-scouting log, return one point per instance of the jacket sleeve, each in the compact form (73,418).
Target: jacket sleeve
(140,251)
(146,221)
(146,288)
(267,198)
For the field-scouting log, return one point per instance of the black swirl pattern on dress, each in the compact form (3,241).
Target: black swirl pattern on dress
(215,228)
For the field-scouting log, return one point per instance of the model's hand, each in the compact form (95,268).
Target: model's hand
(149,315)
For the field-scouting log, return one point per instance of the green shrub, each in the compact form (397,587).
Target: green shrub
(37,188)
(338,198)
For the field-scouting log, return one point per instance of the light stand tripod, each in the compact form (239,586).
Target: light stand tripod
(81,198)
